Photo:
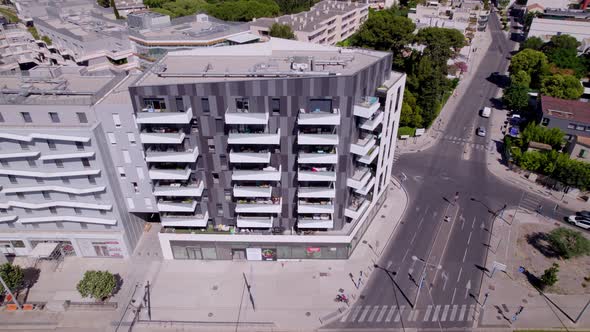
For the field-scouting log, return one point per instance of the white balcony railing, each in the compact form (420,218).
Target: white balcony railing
(259,206)
(315,222)
(363,145)
(170,174)
(255,138)
(254,221)
(161,138)
(357,209)
(367,107)
(196,220)
(265,174)
(316,175)
(177,206)
(233,117)
(316,192)
(315,207)
(319,157)
(370,156)
(366,188)
(249,157)
(179,190)
(317,139)
(172,156)
(371,124)
(252,191)
(359,178)
(319,118)
(154,116)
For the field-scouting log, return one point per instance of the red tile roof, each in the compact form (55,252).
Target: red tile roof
(566,109)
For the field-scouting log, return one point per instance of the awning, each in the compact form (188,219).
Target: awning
(243,38)
(44,250)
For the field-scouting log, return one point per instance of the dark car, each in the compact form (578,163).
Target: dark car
(583,213)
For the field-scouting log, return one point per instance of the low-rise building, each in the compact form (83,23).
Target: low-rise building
(579,148)
(546,28)
(539,6)
(465,16)
(327,22)
(571,116)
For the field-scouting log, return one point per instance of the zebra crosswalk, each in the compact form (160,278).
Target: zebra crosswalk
(394,314)
(530,202)
(465,142)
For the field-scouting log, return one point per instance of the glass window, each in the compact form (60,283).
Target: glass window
(26,117)
(154,103)
(242,104)
(131,138)
(219,210)
(117,120)
(121,172)
(179,252)
(580,127)
(80,146)
(54,117)
(209,253)
(112,138)
(82,117)
(85,162)
(205,105)
(320,105)
(179,104)
(545,121)
(571,126)
(275,105)
(51,145)
(126,156)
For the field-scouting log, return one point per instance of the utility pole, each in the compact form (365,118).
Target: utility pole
(148,301)
(10,293)
(423,277)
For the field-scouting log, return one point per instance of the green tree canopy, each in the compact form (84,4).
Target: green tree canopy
(560,42)
(13,277)
(533,43)
(516,97)
(549,277)
(441,43)
(530,61)
(521,78)
(535,133)
(562,86)
(281,31)
(569,243)
(243,10)
(97,284)
(411,115)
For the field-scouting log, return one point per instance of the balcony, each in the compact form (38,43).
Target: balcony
(366,107)
(245,221)
(371,124)
(316,174)
(315,206)
(188,205)
(182,173)
(263,174)
(253,191)
(254,138)
(370,156)
(359,178)
(245,156)
(179,189)
(184,220)
(272,205)
(362,146)
(164,116)
(316,137)
(171,155)
(319,118)
(19,154)
(318,156)
(316,192)
(366,188)
(161,137)
(237,117)
(316,221)
(356,208)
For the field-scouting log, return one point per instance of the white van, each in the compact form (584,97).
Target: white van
(486,112)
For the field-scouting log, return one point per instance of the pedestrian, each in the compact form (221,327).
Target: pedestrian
(456,196)
(447,218)
(539,209)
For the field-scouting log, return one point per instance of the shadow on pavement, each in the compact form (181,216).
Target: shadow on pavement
(390,274)
(540,241)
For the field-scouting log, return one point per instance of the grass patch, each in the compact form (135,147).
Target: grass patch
(406,131)
(9,14)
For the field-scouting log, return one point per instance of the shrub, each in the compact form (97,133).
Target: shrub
(406,131)
(97,284)
(549,277)
(13,277)
(569,243)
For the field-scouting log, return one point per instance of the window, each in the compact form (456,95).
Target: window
(211,144)
(91,180)
(126,156)
(135,188)
(583,153)
(59,163)
(117,120)
(121,172)
(242,104)
(82,117)
(85,162)
(215,177)
(51,145)
(77,211)
(54,117)
(80,146)
(12,179)
(223,161)
(148,202)
(205,105)
(219,210)
(275,105)
(154,103)
(545,122)
(53,210)
(1,118)
(32,163)
(571,126)
(580,127)
(24,145)
(112,138)
(46,195)
(397,99)
(179,104)
(130,203)
(227,193)
(65,180)
(26,117)
(320,105)
(131,138)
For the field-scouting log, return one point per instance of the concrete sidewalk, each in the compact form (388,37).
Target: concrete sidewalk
(288,295)
(507,293)
(481,43)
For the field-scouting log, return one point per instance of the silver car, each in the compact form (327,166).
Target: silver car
(481,131)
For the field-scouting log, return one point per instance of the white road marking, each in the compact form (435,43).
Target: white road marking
(460,271)
(364,314)
(473,224)
(469,239)
(471,314)
(413,315)
(390,313)
(427,314)
(453,298)
(467,287)
(465,254)
(389,263)
(445,312)
(399,313)
(453,313)
(413,238)
(373,313)
(462,312)
(355,313)
(381,314)
(446,278)
(435,314)
(406,254)
(462,224)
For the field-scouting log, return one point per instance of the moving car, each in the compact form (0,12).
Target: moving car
(481,131)
(486,112)
(582,222)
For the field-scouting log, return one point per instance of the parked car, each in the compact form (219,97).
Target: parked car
(582,222)
(486,112)
(583,213)
(481,131)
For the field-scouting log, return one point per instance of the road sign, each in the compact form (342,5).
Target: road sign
(499,266)
(521,269)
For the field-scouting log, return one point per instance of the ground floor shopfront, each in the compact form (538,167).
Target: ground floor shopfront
(69,244)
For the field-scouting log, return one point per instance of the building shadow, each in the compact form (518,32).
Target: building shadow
(395,285)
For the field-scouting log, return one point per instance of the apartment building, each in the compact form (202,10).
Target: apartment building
(327,22)
(273,150)
(17,51)
(65,156)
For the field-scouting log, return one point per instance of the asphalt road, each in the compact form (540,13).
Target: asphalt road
(455,250)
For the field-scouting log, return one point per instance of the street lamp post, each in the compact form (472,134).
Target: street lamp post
(423,277)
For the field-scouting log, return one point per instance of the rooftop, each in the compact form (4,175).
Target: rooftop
(56,85)
(543,27)
(566,109)
(84,26)
(308,21)
(271,59)
(583,140)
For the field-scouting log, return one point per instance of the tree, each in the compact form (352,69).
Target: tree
(441,43)
(13,277)
(562,86)
(33,31)
(534,133)
(521,78)
(532,62)
(561,42)
(47,40)
(241,10)
(411,115)
(503,3)
(97,284)
(281,31)
(486,4)
(533,43)
(516,97)
(294,6)
(549,277)
(569,243)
